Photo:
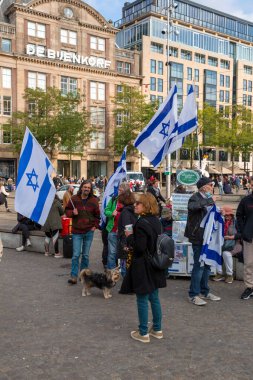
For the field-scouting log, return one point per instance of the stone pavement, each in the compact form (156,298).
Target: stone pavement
(49,331)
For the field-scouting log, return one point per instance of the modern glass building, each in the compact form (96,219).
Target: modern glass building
(208,47)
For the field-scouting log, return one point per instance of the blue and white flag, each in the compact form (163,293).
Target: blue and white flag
(154,140)
(213,239)
(112,186)
(187,122)
(35,190)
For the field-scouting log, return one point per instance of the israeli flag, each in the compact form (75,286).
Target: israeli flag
(187,122)
(113,186)
(213,224)
(35,190)
(154,140)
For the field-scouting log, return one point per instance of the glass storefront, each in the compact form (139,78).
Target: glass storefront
(8,168)
(63,168)
(96,168)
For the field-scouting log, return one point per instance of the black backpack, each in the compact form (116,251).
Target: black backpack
(164,255)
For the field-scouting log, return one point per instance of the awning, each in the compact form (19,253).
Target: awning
(212,170)
(218,170)
(237,170)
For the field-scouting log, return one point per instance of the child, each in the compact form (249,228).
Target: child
(167,221)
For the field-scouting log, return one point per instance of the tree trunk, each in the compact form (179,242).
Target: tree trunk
(233,160)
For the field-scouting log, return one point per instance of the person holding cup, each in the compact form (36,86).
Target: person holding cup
(141,278)
(126,221)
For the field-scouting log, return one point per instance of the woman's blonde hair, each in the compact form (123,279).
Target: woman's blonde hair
(149,204)
(124,186)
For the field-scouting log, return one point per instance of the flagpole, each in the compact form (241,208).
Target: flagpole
(168,156)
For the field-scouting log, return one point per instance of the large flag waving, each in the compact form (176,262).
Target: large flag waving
(113,185)
(35,189)
(154,140)
(187,122)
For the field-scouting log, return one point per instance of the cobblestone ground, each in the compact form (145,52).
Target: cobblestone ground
(48,331)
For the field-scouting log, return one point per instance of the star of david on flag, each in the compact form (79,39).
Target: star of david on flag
(113,185)
(35,190)
(154,141)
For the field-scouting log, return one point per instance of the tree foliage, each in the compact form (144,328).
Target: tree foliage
(54,119)
(134,112)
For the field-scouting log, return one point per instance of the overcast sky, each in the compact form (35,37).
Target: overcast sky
(111,9)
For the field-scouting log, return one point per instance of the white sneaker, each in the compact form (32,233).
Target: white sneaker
(210,297)
(28,242)
(58,256)
(20,249)
(197,301)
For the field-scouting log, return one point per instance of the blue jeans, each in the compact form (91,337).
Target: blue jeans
(81,244)
(142,306)
(123,267)
(200,275)
(112,250)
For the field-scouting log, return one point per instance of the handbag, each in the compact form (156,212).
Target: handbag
(228,245)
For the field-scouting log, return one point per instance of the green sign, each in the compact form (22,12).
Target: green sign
(188,177)
(167,173)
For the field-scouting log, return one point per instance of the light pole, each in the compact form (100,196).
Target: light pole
(171,6)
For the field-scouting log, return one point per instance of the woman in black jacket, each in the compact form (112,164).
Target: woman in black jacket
(127,217)
(141,277)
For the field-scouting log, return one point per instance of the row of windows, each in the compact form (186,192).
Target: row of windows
(224,96)
(156,67)
(247,85)
(156,84)
(247,100)
(66,36)
(222,156)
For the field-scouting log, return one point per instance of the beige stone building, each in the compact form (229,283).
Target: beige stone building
(69,45)
(209,48)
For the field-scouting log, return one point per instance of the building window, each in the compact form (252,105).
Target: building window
(224,64)
(221,95)
(6,105)
(97,117)
(189,73)
(227,81)
(98,140)
(6,45)
(152,98)
(37,80)
(153,66)
(196,75)
(184,154)
(160,85)
(196,88)
(68,85)
(245,157)
(173,52)
(97,91)
(210,87)
(249,100)
(223,156)
(68,37)
(156,48)
(227,96)
(244,99)
(119,89)
(97,43)
(222,82)
(123,67)
(160,99)
(152,84)
(250,85)
(6,78)
(120,118)
(212,61)
(200,58)
(36,30)
(247,70)
(244,85)
(186,54)
(160,68)
(6,134)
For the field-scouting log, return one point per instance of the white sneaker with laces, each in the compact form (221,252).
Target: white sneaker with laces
(20,249)
(197,301)
(58,256)
(210,297)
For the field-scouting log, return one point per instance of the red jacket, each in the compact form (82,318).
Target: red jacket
(88,214)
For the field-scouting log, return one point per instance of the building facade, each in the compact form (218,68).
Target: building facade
(69,45)
(210,48)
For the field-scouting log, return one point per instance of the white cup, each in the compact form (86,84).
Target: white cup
(129,227)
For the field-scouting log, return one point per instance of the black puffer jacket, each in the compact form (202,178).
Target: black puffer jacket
(196,211)
(141,278)
(244,216)
(127,216)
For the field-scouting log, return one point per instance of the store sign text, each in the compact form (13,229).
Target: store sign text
(40,51)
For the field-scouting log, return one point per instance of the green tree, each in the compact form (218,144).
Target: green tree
(54,119)
(132,113)
(235,131)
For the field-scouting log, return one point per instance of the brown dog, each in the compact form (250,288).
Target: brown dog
(105,281)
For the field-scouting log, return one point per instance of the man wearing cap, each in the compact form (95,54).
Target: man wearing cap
(244,216)
(198,206)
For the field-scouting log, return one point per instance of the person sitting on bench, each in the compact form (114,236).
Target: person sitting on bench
(25,225)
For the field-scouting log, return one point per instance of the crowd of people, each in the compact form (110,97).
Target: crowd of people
(133,223)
